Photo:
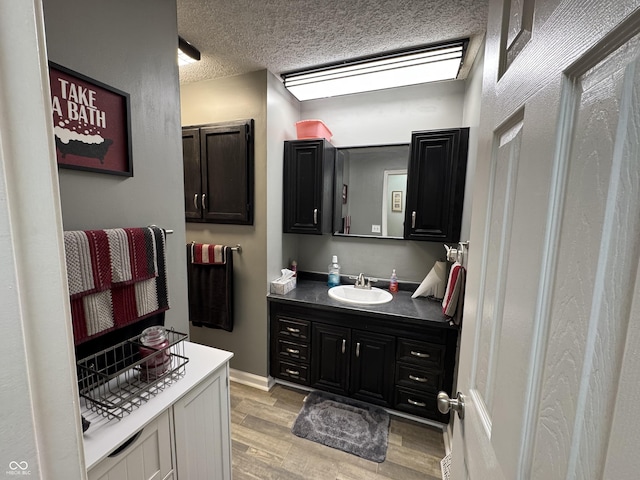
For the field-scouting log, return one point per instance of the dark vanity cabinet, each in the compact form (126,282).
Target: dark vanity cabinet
(218,172)
(353,362)
(391,361)
(308,186)
(435,185)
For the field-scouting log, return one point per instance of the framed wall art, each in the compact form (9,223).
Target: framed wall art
(91,123)
(396,201)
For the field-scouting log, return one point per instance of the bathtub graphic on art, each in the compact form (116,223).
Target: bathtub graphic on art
(83,145)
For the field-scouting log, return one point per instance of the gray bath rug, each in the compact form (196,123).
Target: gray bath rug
(345,424)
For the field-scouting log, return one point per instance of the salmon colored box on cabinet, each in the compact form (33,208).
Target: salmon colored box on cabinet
(312,129)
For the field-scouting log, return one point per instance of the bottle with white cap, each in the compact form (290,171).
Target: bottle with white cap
(334,272)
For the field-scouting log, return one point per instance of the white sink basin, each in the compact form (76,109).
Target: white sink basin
(360,296)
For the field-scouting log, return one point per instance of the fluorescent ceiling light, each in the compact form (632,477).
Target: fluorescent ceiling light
(187,53)
(389,70)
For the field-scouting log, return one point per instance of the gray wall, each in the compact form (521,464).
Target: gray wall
(387,116)
(221,100)
(130,46)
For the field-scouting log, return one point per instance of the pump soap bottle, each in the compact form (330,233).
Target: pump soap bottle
(393,282)
(334,272)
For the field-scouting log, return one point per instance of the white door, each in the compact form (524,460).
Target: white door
(550,352)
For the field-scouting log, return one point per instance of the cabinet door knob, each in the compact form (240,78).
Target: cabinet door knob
(413,219)
(315,216)
(344,345)
(195,201)
(204,196)
(358,349)
(420,354)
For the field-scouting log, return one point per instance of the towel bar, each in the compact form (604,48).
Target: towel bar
(237,248)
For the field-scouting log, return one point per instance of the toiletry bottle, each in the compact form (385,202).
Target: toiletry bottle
(294,268)
(334,272)
(393,282)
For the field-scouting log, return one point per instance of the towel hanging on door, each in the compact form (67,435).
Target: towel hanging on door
(210,285)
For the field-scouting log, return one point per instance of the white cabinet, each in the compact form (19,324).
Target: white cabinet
(183,433)
(202,432)
(146,455)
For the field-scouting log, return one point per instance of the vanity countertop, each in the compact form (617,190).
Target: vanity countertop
(314,294)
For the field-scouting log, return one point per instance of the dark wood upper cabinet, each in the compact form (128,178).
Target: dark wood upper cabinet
(435,185)
(219,172)
(308,186)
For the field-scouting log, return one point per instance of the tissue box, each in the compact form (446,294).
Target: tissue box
(283,286)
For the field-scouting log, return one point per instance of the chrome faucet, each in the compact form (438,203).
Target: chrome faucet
(363,282)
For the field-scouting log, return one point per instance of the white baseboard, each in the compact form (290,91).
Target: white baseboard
(448,437)
(256,381)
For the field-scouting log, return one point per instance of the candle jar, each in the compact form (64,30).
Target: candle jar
(155,346)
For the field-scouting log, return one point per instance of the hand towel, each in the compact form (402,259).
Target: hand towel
(210,290)
(454,287)
(208,254)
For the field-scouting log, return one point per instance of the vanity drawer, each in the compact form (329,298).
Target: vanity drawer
(417,378)
(293,328)
(292,351)
(420,353)
(418,403)
(294,372)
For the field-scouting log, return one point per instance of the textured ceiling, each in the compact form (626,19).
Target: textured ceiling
(240,36)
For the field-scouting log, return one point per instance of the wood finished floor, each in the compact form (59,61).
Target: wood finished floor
(264,447)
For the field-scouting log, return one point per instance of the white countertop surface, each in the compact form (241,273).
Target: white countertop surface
(104,436)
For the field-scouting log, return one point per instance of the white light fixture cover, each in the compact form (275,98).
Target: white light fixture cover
(427,64)
(187,53)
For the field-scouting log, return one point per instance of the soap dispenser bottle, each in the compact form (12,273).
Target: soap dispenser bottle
(334,272)
(393,282)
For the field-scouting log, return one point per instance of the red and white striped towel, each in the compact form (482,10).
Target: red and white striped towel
(116,277)
(453,295)
(208,254)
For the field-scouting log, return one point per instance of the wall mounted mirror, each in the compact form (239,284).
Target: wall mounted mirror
(370,191)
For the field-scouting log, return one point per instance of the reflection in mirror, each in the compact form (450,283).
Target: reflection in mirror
(371,185)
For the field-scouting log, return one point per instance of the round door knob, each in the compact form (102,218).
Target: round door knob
(445,404)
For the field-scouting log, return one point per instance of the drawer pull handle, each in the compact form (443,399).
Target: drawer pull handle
(358,349)
(292,350)
(420,354)
(315,216)
(292,372)
(125,445)
(413,219)
(417,404)
(293,330)
(344,344)
(195,201)
(418,379)
(204,197)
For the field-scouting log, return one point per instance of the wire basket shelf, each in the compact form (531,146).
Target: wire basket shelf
(119,379)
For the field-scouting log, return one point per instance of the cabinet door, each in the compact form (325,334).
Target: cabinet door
(146,456)
(192,184)
(435,185)
(202,431)
(372,367)
(308,186)
(226,153)
(330,357)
